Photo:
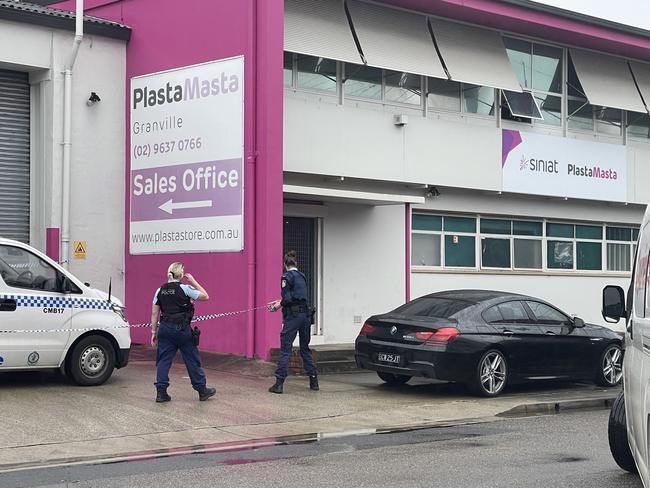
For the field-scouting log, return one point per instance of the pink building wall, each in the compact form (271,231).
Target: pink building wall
(174,33)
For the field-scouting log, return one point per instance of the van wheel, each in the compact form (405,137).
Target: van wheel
(610,367)
(617,434)
(394,379)
(92,361)
(491,375)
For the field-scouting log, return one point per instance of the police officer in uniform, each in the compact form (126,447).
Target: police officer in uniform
(172,304)
(296,320)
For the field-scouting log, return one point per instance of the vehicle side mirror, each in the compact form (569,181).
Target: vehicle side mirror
(613,304)
(578,323)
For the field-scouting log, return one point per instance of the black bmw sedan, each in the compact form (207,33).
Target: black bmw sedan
(486,340)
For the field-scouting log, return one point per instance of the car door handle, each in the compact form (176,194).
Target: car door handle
(508,332)
(550,332)
(7,305)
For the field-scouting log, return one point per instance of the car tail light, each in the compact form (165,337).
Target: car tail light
(440,336)
(367,329)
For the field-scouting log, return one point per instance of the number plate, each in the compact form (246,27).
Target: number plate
(388,358)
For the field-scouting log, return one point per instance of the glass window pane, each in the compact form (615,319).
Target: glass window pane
(460,251)
(523,228)
(316,73)
(513,312)
(638,125)
(609,121)
(559,230)
(589,232)
(546,314)
(521,59)
(618,257)
(495,253)
(22,269)
(288,69)
(581,115)
(551,107)
(547,68)
(362,81)
(403,88)
(635,235)
(590,255)
(492,315)
(528,254)
(460,224)
(522,104)
(575,87)
(478,100)
(425,250)
(495,226)
(443,308)
(619,234)
(443,94)
(560,254)
(426,222)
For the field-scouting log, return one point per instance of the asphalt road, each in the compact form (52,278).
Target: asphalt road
(567,450)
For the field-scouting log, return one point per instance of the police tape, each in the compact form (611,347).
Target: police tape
(200,318)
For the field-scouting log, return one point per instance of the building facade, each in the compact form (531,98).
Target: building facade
(405,147)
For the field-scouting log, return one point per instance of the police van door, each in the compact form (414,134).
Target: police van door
(33,305)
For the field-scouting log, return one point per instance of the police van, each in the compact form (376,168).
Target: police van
(49,319)
(629,420)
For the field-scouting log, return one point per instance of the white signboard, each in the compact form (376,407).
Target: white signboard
(563,167)
(187,148)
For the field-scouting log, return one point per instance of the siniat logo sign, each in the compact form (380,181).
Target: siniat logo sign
(191,89)
(573,169)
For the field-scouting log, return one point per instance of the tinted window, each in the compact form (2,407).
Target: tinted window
(547,315)
(492,315)
(513,312)
(22,269)
(433,307)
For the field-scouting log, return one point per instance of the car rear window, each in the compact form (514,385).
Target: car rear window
(443,308)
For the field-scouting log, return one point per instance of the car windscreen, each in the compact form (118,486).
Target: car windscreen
(444,308)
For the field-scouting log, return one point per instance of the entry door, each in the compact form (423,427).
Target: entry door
(300,234)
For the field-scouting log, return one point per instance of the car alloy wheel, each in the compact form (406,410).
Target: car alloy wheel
(492,372)
(612,365)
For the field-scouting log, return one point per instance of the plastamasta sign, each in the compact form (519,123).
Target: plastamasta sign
(563,167)
(187,147)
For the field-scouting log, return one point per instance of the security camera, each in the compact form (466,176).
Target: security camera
(93,99)
(433,192)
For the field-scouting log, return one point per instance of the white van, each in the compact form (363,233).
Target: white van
(49,319)
(629,420)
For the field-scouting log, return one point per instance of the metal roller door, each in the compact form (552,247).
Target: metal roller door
(14,155)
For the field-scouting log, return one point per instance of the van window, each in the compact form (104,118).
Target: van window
(641,274)
(22,269)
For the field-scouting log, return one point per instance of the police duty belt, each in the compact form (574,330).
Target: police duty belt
(199,318)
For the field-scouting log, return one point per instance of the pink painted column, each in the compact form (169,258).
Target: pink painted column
(52,240)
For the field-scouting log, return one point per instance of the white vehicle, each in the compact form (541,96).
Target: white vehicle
(629,419)
(51,320)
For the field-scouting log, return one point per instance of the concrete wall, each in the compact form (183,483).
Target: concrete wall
(97,154)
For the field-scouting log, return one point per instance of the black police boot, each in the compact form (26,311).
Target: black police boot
(277,388)
(162,396)
(313,383)
(206,393)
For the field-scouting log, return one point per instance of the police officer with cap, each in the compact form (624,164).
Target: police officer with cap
(172,304)
(296,320)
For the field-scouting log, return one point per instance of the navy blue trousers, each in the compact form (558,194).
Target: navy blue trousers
(295,325)
(171,338)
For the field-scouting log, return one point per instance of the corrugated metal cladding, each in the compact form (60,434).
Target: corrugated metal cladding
(14,155)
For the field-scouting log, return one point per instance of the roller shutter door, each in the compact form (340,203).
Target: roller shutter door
(14,155)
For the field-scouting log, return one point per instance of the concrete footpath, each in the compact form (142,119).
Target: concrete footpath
(47,421)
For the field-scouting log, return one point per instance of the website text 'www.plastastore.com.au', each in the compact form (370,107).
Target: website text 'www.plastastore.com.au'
(184,236)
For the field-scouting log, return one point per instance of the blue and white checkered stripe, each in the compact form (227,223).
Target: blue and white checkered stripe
(44,301)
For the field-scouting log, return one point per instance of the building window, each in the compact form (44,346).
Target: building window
(638,125)
(362,82)
(479,100)
(520,245)
(402,88)
(443,94)
(288,69)
(317,74)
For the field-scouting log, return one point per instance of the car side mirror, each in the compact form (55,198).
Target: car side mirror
(578,323)
(613,304)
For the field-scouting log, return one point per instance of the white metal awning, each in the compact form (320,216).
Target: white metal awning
(351,196)
(319,28)
(606,80)
(396,40)
(474,55)
(642,75)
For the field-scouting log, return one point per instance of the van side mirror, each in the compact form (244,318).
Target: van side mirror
(578,323)
(613,304)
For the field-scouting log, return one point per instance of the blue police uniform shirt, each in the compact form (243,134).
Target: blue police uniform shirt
(294,287)
(190,291)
